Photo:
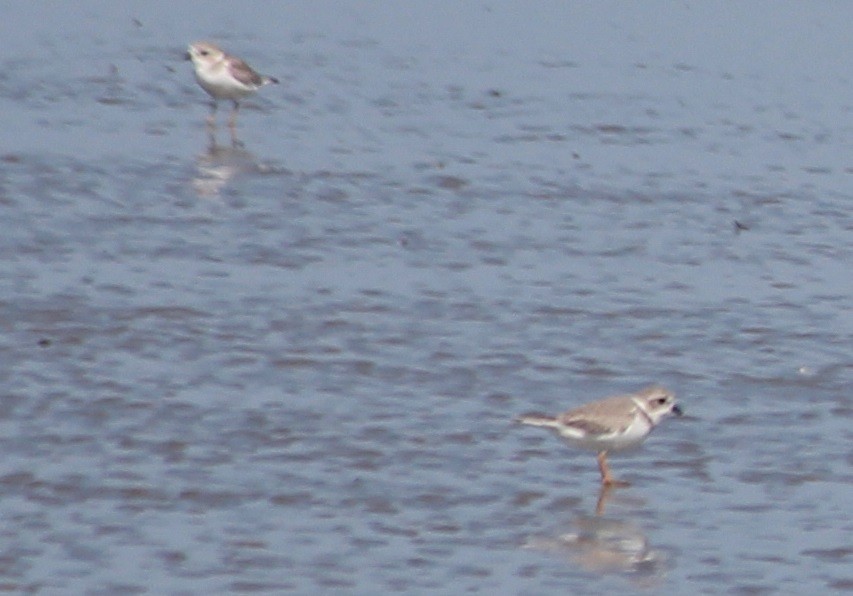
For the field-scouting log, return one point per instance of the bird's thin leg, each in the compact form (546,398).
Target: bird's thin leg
(232,122)
(603,495)
(607,478)
(211,141)
(232,126)
(211,119)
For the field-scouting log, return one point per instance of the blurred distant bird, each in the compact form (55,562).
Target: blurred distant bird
(224,77)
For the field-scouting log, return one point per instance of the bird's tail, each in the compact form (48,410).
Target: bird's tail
(536,419)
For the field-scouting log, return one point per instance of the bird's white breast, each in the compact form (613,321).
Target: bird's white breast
(622,437)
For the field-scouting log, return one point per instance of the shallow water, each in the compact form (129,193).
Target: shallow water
(293,364)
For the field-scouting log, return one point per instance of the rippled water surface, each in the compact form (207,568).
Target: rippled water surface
(291,363)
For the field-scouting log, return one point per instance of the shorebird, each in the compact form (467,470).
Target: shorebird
(610,424)
(224,77)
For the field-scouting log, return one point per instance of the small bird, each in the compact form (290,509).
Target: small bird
(224,77)
(610,424)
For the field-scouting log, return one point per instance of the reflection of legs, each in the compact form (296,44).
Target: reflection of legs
(606,478)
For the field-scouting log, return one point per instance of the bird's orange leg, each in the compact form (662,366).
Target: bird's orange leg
(607,478)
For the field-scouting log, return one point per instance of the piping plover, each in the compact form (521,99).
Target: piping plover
(224,77)
(610,424)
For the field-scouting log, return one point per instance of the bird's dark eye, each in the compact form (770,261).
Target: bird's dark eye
(204,52)
(661,401)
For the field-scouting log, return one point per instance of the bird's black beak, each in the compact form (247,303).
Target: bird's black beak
(677,410)
(187,56)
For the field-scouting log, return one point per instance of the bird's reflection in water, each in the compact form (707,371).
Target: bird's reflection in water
(607,545)
(220,164)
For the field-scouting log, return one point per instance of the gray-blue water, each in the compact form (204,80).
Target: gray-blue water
(293,364)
